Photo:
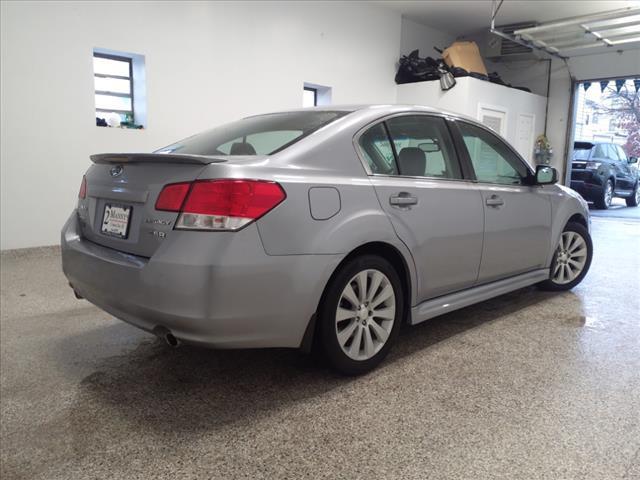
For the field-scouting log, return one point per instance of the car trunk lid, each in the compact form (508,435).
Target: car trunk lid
(119,208)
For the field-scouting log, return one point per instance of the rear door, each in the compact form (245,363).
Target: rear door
(434,211)
(517,217)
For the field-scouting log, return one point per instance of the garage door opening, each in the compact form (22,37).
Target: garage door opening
(603,165)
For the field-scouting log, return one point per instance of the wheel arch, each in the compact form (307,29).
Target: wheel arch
(382,249)
(578,218)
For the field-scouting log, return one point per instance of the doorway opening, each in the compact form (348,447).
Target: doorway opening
(603,159)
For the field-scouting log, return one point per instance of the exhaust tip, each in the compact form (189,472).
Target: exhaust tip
(171,340)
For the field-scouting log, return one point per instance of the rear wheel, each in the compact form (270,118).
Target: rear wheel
(606,197)
(634,199)
(361,314)
(572,259)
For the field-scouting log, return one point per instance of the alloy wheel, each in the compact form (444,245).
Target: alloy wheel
(365,314)
(608,194)
(571,258)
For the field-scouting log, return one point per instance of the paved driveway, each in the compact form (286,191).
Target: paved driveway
(619,209)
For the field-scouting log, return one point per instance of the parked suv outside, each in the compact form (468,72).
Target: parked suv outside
(602,171)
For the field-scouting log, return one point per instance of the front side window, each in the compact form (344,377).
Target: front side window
(492,160)
(260,135)
(423,146)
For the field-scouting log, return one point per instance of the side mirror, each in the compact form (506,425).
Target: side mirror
(633,160)
(546,175)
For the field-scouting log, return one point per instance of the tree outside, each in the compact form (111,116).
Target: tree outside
(610,112)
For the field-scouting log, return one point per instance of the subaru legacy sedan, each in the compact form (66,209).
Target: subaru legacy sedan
(325,227)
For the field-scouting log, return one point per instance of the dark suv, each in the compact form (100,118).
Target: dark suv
(601,171)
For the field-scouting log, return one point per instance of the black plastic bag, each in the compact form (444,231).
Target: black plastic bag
(412,68)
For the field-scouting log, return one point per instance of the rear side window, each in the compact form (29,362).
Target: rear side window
(493,161)
(260,135)
(411,145)
(424,147)
(612,153)
(600,151)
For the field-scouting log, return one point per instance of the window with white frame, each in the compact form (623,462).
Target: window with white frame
(119,85)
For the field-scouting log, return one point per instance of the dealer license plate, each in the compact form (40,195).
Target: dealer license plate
(115,220)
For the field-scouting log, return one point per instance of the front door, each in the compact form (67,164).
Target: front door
(517,226)
(437,214)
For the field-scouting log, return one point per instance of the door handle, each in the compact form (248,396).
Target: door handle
(494,201)
(403,199)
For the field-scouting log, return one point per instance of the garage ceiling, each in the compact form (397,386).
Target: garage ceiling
(468,16)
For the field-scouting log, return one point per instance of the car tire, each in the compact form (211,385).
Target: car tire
(634,199)
(606,196)
(349,313)
(571,260)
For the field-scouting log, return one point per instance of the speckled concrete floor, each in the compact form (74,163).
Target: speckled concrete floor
(529,385)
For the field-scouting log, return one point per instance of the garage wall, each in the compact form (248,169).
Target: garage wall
(534,76)
(415,35)
(206,63)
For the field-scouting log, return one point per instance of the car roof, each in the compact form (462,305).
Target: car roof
(587,145)
(374,109)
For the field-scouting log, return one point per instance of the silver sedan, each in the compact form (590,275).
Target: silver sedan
(330,226)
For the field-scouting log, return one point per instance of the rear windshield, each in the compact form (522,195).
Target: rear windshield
(582,150)
(581,153)
(260,135)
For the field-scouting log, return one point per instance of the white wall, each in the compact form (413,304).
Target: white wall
(206,63)
(415,35)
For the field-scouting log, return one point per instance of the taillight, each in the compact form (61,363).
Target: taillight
(219,204)
(593,165)
(172,196)
(82,194)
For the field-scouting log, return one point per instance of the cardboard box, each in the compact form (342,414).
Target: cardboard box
(464,55)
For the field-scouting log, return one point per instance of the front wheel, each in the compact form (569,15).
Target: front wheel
(572,259)
(634,199)
(361,314)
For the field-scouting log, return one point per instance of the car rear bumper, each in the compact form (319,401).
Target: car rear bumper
(588,183)
(218,289)
(587,190)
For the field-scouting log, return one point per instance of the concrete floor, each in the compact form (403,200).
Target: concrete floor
(529,385)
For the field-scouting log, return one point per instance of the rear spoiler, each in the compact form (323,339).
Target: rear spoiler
(154,158)
(583,145)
